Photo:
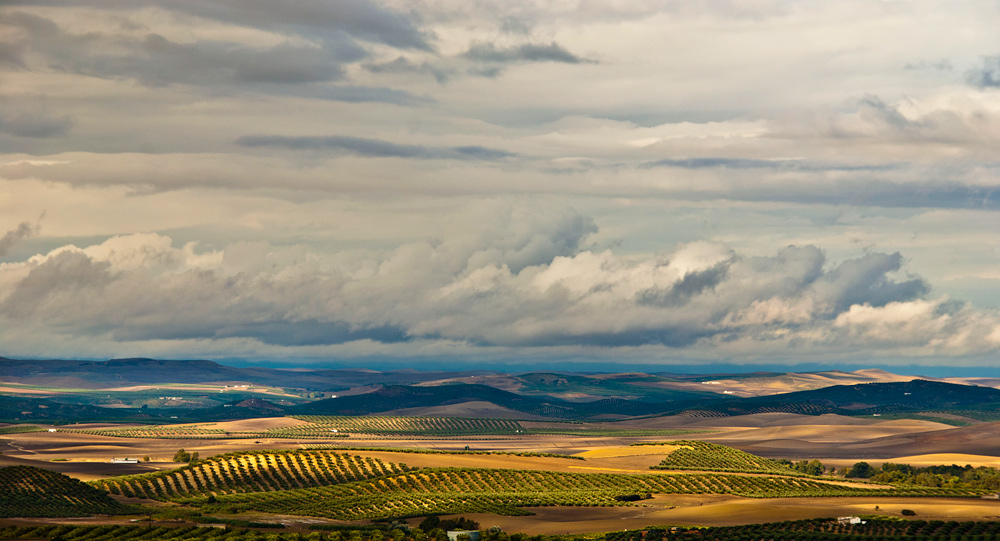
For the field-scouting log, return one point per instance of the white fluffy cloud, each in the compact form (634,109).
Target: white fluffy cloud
(537,285)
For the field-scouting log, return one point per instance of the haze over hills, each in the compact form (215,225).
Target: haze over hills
(133,390)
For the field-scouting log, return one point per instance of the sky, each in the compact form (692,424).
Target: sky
(570,183)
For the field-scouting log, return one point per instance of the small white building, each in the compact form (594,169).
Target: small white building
(125,460)
(850,520)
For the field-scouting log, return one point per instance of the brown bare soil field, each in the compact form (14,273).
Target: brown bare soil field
(250,425)
(724,510)
(474,409)
(22,390)
(824,433)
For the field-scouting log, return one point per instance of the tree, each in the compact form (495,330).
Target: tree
(182,456)
(429,523)
(862,470)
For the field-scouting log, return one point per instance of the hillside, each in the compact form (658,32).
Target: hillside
(250,472)
(910,397)
(26,491)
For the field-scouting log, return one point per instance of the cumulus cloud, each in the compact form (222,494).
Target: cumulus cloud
(536,284)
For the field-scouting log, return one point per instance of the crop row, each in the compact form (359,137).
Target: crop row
(26,491)
(163,432)
(424,451)
(505,492)
(251,472)
(20,429)
(704,456)
(395,425)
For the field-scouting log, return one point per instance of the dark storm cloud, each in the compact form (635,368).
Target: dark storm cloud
(529,52)
(23,231)
(987,75)
(373,148)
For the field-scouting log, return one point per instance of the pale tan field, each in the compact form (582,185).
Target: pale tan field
(723,510)
(618,451)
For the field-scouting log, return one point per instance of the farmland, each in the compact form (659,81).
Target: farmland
(818,529)
(526,463)
(382,427)
(337,486)
(26,491)
(251,472)
(508,492)
(704,456)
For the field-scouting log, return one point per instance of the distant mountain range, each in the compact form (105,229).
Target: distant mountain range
(912,398)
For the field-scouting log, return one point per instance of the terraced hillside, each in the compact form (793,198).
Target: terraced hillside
(26,491)
(704,456)
(264,471)
(507,492)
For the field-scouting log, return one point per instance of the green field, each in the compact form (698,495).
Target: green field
(507,492)
(704,456)
(262,471)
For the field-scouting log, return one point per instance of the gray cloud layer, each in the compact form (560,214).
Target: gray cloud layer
(373,147)
(528,52)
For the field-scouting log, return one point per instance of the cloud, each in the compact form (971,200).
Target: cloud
(155,60)
(329,21)
(526,281)
(34,124)
(750,163)
(401,64)
(987,75)
(23,231)
(528,52)
(374,148)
